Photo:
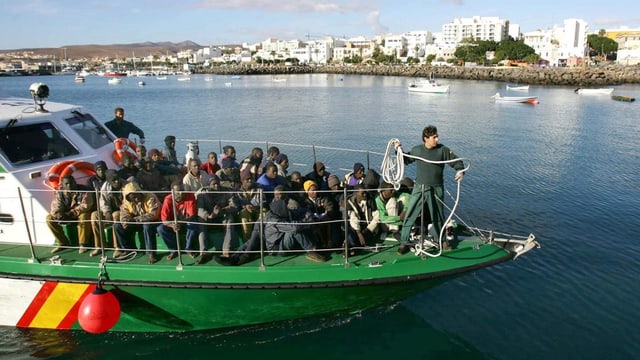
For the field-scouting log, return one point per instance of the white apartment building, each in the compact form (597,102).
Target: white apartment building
(417,42)
(477,27)
(564,45)
(395,45)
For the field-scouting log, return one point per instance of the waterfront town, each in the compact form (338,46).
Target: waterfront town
(561,46)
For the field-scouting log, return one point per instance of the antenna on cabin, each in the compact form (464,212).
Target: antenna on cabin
(39,93)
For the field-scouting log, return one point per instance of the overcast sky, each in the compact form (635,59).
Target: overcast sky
(57,23)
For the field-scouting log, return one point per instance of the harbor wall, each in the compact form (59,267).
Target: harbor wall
(574,76)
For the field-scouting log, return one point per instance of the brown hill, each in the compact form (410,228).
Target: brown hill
(112,51)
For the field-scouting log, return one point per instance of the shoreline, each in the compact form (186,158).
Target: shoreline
(576,76)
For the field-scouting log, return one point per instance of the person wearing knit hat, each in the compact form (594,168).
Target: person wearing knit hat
(356,176)
(95,182)
(308,184)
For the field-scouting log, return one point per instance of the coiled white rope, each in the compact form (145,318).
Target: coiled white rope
(392,171)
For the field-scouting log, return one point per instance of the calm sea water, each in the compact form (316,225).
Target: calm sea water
(565,170)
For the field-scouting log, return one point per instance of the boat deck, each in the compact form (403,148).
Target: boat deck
(384,251)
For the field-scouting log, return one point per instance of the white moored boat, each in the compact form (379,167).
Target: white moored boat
(515,99)
(518,87)
(596,91)
(114,81)
(428,86)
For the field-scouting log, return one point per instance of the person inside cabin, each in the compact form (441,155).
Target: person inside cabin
(121,128)
(185,216)
(139,212)
(319,175)
(73,204)
(109,202)
(95,181)
(211,166)
(252,162)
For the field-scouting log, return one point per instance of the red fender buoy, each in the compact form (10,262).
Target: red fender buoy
(99,311)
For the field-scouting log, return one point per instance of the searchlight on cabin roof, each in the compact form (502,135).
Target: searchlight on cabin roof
(39,93)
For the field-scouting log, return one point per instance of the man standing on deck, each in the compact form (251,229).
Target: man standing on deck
(429,184)
(122,128)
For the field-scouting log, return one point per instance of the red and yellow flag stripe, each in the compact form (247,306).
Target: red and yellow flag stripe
(55,306)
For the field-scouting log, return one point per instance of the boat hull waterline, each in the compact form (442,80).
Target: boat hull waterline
(162,298)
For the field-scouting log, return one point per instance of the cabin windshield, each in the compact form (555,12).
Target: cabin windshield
(28,144)
(89,129)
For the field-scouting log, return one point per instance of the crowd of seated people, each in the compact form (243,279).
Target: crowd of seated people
(241,200)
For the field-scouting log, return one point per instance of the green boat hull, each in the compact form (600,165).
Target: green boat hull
(172,296)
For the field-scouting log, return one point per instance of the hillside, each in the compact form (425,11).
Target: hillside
(112,51)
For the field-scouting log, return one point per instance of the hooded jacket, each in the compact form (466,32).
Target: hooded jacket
(148,210)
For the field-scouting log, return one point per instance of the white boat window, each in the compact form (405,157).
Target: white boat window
(89,129)
(33,143)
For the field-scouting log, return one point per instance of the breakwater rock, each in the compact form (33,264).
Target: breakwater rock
(574,76)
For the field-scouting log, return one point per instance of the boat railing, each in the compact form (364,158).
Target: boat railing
(301,156)
(339,222)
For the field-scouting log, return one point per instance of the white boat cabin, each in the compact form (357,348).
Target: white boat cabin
(35,135)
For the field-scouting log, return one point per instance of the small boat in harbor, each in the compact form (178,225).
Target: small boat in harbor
(595,91)
(429,85)
(79,79)
(518,87)
(114,81)
(515,99)
(69,290)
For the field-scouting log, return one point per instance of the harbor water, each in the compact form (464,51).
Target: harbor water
(565,169)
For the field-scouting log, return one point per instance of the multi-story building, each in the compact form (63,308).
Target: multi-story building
(477,28)
(564,45)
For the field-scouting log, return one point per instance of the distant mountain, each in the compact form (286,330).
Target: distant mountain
(113,50)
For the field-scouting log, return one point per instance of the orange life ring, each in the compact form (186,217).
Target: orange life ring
(87,167)
(53,175)
(121,146)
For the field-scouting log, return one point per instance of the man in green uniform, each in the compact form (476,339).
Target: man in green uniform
(122,128)
(429,184)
